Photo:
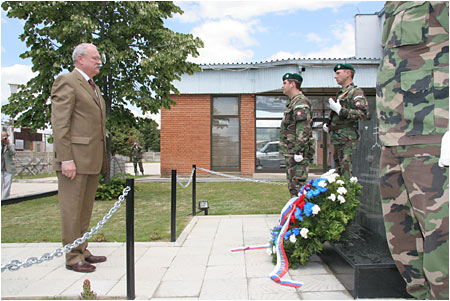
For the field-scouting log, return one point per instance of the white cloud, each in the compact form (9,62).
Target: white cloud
(315,37)
(245,10)
(17,74)
(345,34)
(283,55)
(225,41)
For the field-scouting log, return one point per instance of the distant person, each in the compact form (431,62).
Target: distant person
(296,141)
(8,165)
(349,107)
(136,155)
(78,121)
(413,112)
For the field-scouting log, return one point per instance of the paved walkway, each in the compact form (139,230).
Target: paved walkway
(198,266)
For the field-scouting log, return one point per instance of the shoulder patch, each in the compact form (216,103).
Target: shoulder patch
(300,106)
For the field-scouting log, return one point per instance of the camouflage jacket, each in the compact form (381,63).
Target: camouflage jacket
(296,128)
(136,152)
(344,127)
(413,81)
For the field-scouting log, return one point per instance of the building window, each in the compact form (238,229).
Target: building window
(225,144)
(269,113)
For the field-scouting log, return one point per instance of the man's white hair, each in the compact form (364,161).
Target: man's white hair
(81,49)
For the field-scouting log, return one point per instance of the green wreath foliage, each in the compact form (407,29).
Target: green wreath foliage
(326,225)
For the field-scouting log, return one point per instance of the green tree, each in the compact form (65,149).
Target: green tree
(141,57)
(148,134)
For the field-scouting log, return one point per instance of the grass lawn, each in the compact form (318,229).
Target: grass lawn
(38,220)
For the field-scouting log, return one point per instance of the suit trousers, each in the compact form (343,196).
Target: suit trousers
(6,183)
(76,201)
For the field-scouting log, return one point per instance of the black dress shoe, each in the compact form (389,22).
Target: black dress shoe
(95,259)
(82,267)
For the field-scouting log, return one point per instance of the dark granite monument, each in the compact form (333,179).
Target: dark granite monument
(361,260)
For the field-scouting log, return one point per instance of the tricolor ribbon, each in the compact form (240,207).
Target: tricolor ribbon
(282,266)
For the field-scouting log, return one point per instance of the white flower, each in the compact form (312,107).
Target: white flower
(340,182)
(274,250)
(292,238)
(315,209)
(322,184)
(342,190)
(330,172)
(332,197)
(341,199)
(304,232)
(331,178)
(353,180)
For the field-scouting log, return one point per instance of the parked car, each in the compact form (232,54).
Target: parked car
(269,157)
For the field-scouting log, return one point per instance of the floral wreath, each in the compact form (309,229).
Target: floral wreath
(320,213)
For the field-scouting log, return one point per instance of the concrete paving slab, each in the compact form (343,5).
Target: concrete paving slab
(225,272)
(227,259)
(319,283)
(266,289)
(224,289)
(184,272)
(99,286)
(179,288)
(326,296)
(191,268)
(49,288)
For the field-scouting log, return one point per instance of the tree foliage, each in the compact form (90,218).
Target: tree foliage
(141,58)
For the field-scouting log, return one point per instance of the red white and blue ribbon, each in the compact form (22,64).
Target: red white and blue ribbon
(282,266)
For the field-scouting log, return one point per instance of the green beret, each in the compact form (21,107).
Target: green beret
(293,76)
(343,66)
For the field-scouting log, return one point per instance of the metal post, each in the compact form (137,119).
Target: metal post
(325,151)
(131,293)
(194,189)
(173,206)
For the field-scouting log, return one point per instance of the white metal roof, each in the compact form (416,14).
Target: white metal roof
(248,78)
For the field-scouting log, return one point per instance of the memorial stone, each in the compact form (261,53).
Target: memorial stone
(361,260)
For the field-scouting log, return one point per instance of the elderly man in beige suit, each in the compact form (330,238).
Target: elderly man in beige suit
(78,121)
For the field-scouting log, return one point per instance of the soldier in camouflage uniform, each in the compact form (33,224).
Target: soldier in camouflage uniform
(136,155)
(296,141)
(413,111)
(350,107)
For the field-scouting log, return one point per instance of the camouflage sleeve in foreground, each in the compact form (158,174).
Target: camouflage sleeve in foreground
(413,81)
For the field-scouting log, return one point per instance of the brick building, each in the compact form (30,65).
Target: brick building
(227,117)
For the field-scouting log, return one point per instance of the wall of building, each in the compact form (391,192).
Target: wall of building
(186,134)
(248,134)
(368,29)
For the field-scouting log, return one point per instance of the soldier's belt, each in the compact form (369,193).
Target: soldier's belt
(342,126)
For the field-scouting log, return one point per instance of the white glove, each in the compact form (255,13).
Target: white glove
(298,158)
(325,127)
(335,106)
(445,150)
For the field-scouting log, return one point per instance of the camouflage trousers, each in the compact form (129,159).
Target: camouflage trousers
(415,194)
(141,167)
(296,174)
(343,158)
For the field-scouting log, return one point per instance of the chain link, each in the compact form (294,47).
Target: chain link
(189,182)
(14,265)
(239,178)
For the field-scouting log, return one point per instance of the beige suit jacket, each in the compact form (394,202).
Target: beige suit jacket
(78,121)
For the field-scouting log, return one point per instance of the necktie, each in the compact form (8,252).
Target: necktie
(91,82)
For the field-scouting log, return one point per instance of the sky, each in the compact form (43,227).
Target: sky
(233,32)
